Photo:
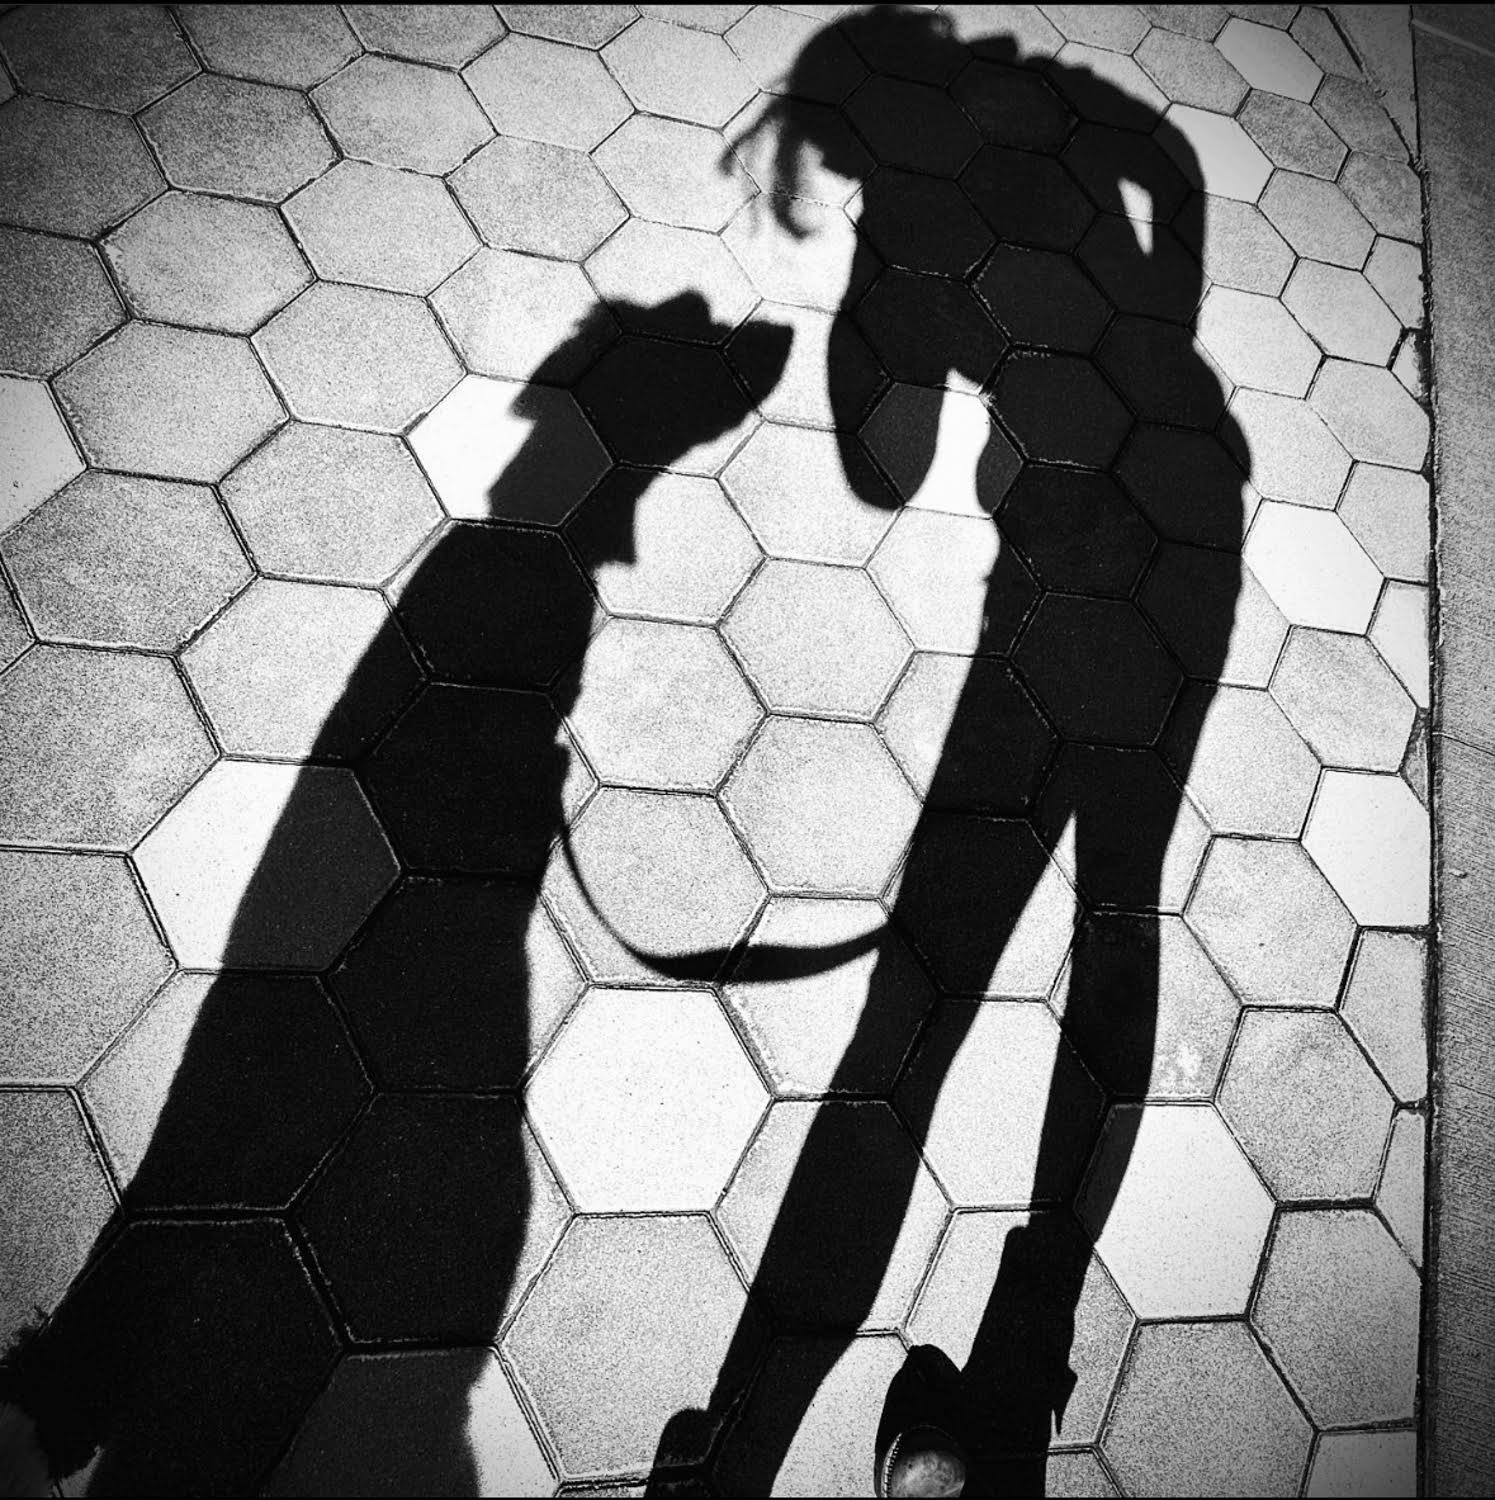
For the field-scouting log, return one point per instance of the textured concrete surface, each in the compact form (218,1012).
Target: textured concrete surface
(692,693)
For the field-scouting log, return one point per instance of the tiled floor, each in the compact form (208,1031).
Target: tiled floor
(568,895)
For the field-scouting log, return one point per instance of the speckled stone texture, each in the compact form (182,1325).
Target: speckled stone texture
(691,694)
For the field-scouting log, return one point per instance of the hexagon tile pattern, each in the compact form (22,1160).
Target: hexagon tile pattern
(693,692)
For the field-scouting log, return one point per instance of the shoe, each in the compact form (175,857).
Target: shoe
(923,1460)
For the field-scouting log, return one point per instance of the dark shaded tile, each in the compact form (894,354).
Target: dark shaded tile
(922,327)
(1043,299)
(1156,367)
(201,1345)
(455,984)
(1107,87)
(1077,531)
(912,125)
(1058,407)
(1012,106)
(793,54)
(1027,199)
(1186,484)
(967,734)
(433,1218)
(1098,669)
(1161,282)
(1101,159)
(226,1092)
(922,223)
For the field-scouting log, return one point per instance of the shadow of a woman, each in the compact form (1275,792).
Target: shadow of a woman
(1079,494)
(342,1132)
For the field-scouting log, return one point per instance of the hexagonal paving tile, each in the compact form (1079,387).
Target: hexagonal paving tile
(498,449)
(446,34)
(57,1191)
(36,455)
(672,173)
(833,1215)
(803,1025)
(433,1218)
(590,26)
(1256,343)
(1293,134)
(770,42)
(1269,59)
(964,1280)
(1242,250)
(166,401)
(1387,192)
(793,487)
(224,135)
(55,302)
(1385,1005)
(1272,923)
(299,669)
(678,551)
(655,1304)
(1400,633)
(265,866)
(375,226)
(822,806)
(1158,369)
(122,561)
(546,200)
(912,125)
(816,639)
(983,1074)
(1395,270)
(1114,794)
(1384,1463)
(1033,388)
(116,57)
(1190,71)
(1354,109)
(989,912)
(1214,153)
(1341,310)
(671,70)
(661,706)
(966,734)
(1042,298)
(1183,1228)
(1369,835)
(1312,567)
(1163,283)
(1241,760)
(664,878)
(1401,1195)
(546,92)
(1371,414)
(385,1419)
(86,959)
(815,266)
(196,1109)
(834,1386)
(358,357)
(495,971)
(1176,1048)
(934,570)
(1183,580)
(646,1101)
(1338,1306)
(324,503)
(71,170)
(1097,669)
(510,314)
(1077,532)
(644,266)
(1290,453)
(1343,700)
(274,44)
(802,395)
(1304,1103)
(400,114)
(64,714)
(206,262)
(1317,219)
(1199,1407)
